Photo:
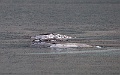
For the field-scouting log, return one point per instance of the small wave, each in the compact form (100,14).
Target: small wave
(74,52)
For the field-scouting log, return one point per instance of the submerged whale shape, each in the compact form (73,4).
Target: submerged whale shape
(73,45)
(66,45)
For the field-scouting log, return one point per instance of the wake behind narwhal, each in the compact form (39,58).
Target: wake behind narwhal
(54,40)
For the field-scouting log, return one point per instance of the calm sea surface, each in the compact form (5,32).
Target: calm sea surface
(94,22)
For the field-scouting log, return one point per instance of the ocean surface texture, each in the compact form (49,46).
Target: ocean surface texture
(93,22)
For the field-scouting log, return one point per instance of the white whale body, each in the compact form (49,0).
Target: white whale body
(54,41)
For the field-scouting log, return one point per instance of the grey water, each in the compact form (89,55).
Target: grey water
(94,22)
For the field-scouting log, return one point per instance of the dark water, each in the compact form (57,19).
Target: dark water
(95,22)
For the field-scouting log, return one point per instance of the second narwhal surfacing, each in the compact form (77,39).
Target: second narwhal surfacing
(54,40)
